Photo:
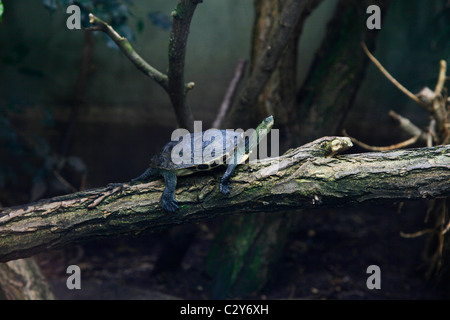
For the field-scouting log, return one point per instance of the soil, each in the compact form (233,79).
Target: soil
(326,258)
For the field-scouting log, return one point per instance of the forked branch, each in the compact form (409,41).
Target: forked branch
(125,46)
(173,83)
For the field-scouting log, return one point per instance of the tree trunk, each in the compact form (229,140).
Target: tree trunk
(278,97)
(324,100)
(22,280)
(248,247)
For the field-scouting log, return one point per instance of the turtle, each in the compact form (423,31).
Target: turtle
(226,148)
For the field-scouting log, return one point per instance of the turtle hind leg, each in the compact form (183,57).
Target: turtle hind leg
(225,183)
(150,172)
(168,197)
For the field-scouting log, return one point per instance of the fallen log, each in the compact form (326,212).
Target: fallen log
(311,176)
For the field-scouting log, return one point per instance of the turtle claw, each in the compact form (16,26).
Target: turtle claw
(225,188)
(170,204)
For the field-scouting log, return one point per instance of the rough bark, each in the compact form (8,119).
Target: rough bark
(302,178)
(246,251)
(22,280)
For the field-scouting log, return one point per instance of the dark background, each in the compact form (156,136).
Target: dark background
(122,118)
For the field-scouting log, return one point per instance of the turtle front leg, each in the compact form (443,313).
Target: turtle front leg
(168,197)
(225,183)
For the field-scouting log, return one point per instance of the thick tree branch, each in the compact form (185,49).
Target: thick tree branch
(182,16)
(306,177)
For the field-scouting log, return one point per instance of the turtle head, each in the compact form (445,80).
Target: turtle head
(255,136)
(266,125)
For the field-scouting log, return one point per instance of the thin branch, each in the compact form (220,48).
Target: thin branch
(406,125)
(431,135)
(416,234)
(446,229)
(125,46)
(439,107)
(399,145)
(392,79)
(441,79)
(231,92)
(64,182)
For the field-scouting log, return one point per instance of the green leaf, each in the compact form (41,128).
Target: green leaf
(1,10)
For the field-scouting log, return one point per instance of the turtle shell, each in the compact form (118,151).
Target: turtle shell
(199,151)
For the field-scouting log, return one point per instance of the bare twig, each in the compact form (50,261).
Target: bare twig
(416,234)
(231,92)
(431,136)
(125,46)
(433,102)
(391,78)
(386,148)
(441,78)
(408,126)
(173,82)
(64,182)
(446,228)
